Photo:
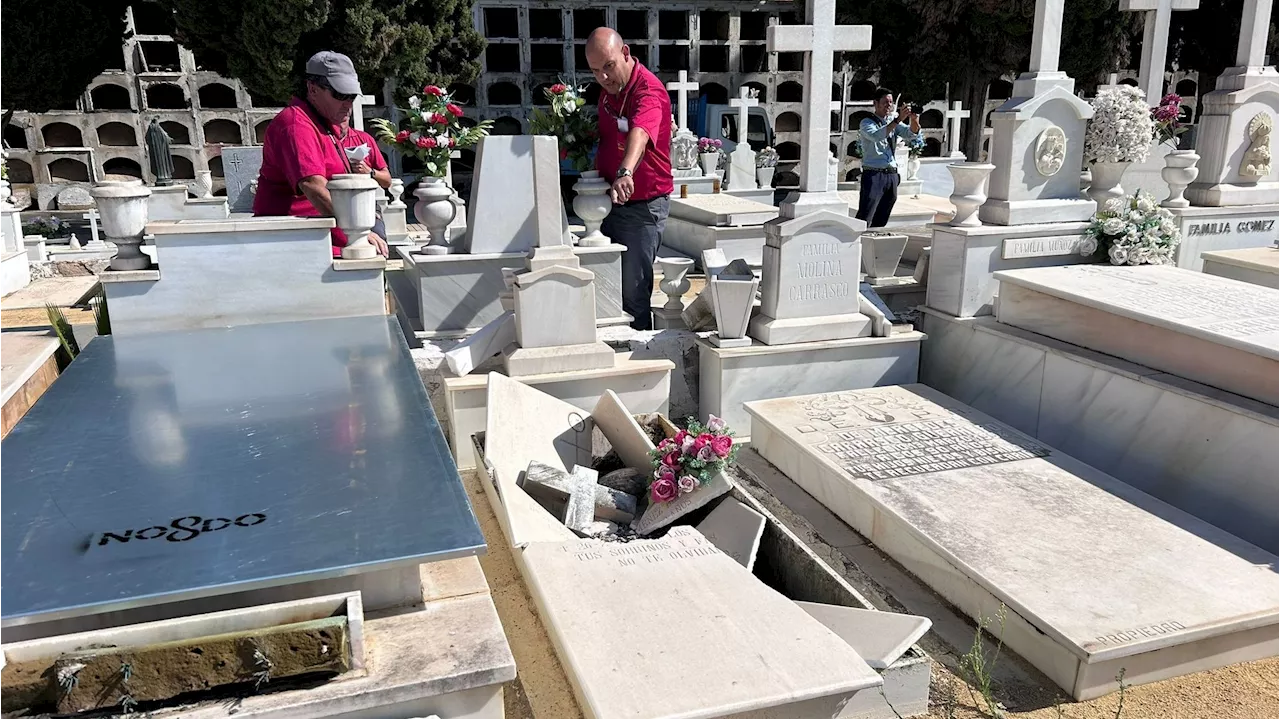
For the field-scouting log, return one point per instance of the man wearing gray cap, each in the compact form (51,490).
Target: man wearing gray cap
(310,141)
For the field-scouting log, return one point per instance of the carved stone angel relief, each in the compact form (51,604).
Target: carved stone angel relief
(1051,151)
(1257,159)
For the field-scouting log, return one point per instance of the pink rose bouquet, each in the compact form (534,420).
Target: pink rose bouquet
(685,462)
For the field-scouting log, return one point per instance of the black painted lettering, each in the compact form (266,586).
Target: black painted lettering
(143,534)
(122,538)
(241,523)
(208,524)
(183,533)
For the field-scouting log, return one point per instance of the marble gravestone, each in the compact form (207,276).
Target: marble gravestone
(501,217)
(241,165)
(742,161)
(1207,329)
(1038,141)
(1238,131)
(982,513)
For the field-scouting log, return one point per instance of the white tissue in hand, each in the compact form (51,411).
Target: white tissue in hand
(357,154)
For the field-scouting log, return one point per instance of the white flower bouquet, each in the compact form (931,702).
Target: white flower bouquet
(1121,127)
(1133,230)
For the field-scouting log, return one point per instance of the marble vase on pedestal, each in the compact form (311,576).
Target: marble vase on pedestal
(355,210)
(123,213)
(592,205)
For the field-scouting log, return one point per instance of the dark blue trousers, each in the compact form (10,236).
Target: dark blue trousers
(638,225)
(877,196)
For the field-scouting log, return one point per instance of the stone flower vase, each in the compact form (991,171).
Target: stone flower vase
(970,179)
(203,184)
(710,162)
(764,176)
(435,210)
(674,283)
(592,205)
(1106,181)
(913,168)
(122,211)
(355,208)
(1179,171)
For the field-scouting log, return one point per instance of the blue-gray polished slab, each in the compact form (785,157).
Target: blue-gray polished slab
(304,451)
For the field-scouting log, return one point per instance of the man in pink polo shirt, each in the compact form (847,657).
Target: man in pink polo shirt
(635,156)
(309,142)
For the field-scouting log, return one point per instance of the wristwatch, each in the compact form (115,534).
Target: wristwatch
(624,172)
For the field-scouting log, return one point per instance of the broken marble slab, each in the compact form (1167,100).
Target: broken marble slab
(628,438)
(580,509)
(542,480)
(738,648)
(880,638)
(661,514)
(487,342)
(735,529)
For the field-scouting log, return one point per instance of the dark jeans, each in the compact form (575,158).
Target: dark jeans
(877,197)
(638,225)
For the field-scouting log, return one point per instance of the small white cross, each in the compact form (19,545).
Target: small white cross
(1155,41)
(92,217)
(955,115)
(357,110)
(683,87)
(745,99)
(820,40)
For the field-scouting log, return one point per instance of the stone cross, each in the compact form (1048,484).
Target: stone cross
(1155,41)
(1254,24)
(1046,40)
(92,217)
(744,100)
(819,40)
(955,115)
(683,87)
(357,110)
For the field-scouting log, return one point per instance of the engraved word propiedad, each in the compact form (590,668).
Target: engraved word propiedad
(182,529)
(1132,635)
(889,451)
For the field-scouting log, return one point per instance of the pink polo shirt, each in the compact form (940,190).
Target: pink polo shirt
(644,102)
(298,146)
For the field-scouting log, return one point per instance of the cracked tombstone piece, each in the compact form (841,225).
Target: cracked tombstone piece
(880,638)
(580,510)
(661,514)
(163,671)
(547,482)
(698,316)
(627,480)
(736,530)
(739,269)
(487,342)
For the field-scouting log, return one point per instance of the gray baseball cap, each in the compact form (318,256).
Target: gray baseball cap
(337,69)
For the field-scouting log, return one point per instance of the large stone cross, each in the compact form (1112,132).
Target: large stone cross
(1155,41)
(819,40)
(1254,24)
(744,100)
(683,87)
(955,115)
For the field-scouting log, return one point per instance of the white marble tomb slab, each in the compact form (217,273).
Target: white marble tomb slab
(240,166)
(879,637)
(1256,265)
(739,647)
(722,210)
(1208,329)
(735,529)
(555,306)
(619,426)
(1097,576)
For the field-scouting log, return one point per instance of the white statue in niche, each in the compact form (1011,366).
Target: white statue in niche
(1257,159)
(684,152)
(1051,151)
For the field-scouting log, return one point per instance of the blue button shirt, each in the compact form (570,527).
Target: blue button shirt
(878,143)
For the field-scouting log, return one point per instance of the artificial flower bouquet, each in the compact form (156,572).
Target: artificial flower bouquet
(434,130)
(689,460)
(569,122)
(915,146)
(709,145)
(1121,127)
(1133,230)
(1164,118)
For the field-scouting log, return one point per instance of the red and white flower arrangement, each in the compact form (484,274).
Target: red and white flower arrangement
(685,462)
(433,128)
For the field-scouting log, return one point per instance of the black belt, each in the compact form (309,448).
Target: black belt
(894,170)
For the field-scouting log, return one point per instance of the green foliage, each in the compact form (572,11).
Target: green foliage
(979,667)
(54,48)
(101,317)
(570,122)
(62,328)
(434,130)
(265,43)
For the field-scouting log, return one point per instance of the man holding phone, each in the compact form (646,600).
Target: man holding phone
(879,137)
(312,140)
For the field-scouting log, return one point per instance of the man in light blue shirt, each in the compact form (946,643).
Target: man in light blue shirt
(879,137)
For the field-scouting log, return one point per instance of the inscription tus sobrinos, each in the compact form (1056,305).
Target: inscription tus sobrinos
(1051,151)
